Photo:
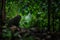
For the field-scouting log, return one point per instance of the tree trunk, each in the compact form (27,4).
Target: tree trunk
(2,16)
(49,13)
(3,12)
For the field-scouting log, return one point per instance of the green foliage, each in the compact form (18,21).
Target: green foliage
(29,10)
(32,11)
(6,33)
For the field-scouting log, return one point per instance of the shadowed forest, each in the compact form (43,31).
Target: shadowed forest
(29,19)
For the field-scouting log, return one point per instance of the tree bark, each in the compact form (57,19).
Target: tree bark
(49,13)
(3,12)
(2,16)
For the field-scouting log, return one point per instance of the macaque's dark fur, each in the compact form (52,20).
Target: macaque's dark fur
(14,21)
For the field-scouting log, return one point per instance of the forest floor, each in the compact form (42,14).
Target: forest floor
(42,34)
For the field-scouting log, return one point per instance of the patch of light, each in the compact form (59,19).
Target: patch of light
(39,12)
(28,17)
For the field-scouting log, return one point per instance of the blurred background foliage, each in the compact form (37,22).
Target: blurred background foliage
(33,13)
(30,11)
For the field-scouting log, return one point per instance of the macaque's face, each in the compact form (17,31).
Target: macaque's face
(13,28)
